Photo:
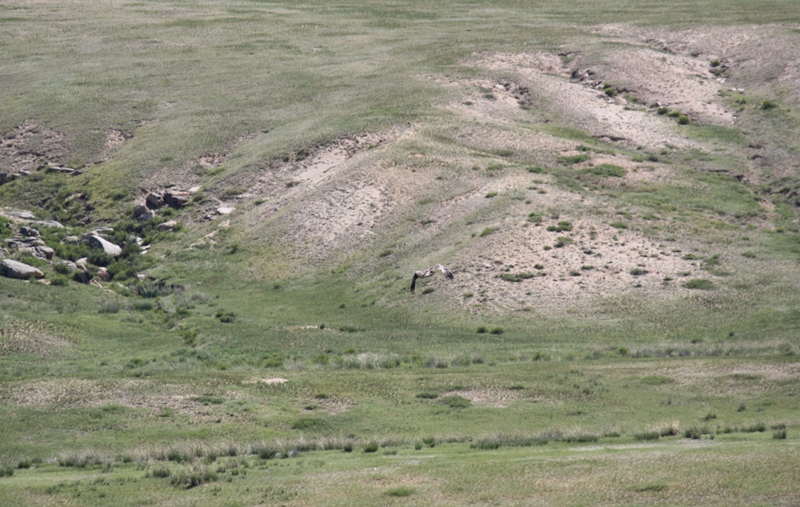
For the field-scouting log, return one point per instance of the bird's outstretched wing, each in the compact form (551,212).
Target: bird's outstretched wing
(429,272)
(446,272)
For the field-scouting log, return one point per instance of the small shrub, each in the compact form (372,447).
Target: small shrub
(400,491)
(638,271)
(497,330)
(427,395)
(429,441)
(482,329)
(694,433)
(225,316)
(648,435)
(490,195)
(208,399)
(535,217)
(683,120)
(62,269)
(59,281)
(663,110)
(310,423)
(608,170)
(759,427)
(563,241)
(455,401)
(194,477)
(768,104)
(488,230)
(656,380)
(573,159)
(655,487)
(536,170)
(371,447)
(142,305)
(699,284)
(779,434)
(516,277)
(619,225)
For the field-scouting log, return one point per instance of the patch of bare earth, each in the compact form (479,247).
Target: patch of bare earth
(584,104)
(491,397)
(759,56)
(328,199)
(141,394)
(34,338)
(30,145)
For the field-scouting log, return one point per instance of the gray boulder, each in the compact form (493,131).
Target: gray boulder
(19,270)
(153,201)
(44,252)
(29,232)
(50,223)
(177,199)
(25,215)
(167,226)
(142,213)
(108,247)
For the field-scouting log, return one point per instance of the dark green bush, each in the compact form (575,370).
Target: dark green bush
(699,284)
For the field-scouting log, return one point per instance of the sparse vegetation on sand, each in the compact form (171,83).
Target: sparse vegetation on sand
(209,212)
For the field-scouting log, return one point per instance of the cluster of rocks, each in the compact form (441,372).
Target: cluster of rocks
(153,201)
(7,177)
(29,240)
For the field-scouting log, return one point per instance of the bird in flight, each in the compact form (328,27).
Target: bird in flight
(429,272)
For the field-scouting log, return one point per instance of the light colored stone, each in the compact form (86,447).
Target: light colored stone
(15,269)
(108,247)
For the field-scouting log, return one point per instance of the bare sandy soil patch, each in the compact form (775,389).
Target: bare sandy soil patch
(30,145)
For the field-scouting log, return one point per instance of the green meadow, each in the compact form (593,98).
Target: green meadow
(624,322)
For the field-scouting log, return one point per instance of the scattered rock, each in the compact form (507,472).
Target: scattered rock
(177,199)
(142,213)
(167,226)
(277,381)
(103,274)
(29,232)
(153,201)
(65,170)
(24,215)
(71,240)
(194,190)
(224,210)
(44,252)
(49,223)
(19,270)
(108,247)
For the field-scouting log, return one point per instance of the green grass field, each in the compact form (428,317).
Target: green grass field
(624,322)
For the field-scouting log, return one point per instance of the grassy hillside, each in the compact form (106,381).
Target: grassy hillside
(614,186)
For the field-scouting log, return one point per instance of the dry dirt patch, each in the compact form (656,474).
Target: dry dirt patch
(33,337)
(30,145)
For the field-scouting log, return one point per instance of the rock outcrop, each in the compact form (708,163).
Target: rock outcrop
(15,269)
(108,247)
